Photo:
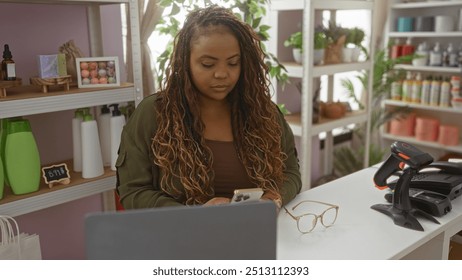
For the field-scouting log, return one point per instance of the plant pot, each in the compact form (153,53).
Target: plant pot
(333,52)
(347,54)
(297,54)
(355,55)
(318,56)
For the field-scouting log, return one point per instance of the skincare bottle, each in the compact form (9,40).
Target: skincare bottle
(77,140)
(421,55)
(445,93)
(436,56)
(2,181)
(435,92)
(105,134)
(417,88)
(407,87)
(117,123)
(426,89)
(459,56)
(22,158)
(8,65)
(408,49)
(452,56)
(92,160)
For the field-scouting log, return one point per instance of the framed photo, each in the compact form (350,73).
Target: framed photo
(97,72)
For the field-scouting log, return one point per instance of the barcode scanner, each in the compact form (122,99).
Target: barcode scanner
(401,210)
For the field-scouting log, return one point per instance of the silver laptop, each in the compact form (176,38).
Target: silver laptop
(232,231)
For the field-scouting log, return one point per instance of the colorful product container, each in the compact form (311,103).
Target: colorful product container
(22,159)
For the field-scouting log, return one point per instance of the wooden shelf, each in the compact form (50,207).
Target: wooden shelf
(15,205)
(29,100)
(325,124)
(414,141)
(421,106)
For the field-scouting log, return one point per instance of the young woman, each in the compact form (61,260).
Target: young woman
(213,128)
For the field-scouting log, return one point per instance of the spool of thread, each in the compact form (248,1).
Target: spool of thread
(426,129)
(444,23)
(405,24)
(448,135)
(404,126)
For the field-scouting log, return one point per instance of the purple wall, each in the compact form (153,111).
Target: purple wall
(31,30)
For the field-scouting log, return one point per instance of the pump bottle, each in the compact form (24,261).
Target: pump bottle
(105,134)
(92,160)
(22,158)
(117,123)
(436,56)
(2,181)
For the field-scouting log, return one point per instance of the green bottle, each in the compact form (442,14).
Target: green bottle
(3,133)
(22,158)
(2,181)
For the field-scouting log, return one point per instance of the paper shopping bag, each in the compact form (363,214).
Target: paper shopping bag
(15,245)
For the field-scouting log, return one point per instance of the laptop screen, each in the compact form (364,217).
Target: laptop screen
(230,231)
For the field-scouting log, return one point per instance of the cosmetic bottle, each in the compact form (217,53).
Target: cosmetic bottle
(436,56)
(445,93)
(92,160)
(105,134)
(407,88)
(22,158)
(452,56)
(426,90)
(408,49)
(2,181)
(435,92)
(117,123)
(421,55)
(417,88)
(8,65)
(77,140)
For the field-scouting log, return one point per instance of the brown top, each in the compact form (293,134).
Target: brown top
(229,171)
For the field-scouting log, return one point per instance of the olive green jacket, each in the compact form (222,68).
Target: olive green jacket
(138,178)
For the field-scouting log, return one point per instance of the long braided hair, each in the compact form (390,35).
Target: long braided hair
(179,146)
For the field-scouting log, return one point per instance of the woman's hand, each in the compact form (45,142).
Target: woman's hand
(218,200)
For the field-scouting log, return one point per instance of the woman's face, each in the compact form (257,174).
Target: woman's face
(215,63)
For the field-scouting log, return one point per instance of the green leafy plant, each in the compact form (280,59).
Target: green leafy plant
(351,159)
(250,11)
(334,32)
(355,36)
(295,40)
(320,40)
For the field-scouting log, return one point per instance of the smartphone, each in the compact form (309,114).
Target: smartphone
(247,195)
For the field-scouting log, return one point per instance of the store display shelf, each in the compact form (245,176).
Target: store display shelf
(428,4)
(99,2)
(412,140)
(295,70)
(45,197)
(325,124)
(420,106)
(286,5)
(453,70)
(28,100)
(425,34)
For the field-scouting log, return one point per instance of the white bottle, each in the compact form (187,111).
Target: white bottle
(92,160)
(445,93)
(77,140)
(421,55)
(105,134)
(436,56)
(117,123)
(426,91)
(452,56)
(435,92)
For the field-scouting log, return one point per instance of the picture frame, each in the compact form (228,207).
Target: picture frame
(94,72)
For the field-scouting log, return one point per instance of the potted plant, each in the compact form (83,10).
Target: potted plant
(353,44)
(295,41)
(320,44)
(336,37)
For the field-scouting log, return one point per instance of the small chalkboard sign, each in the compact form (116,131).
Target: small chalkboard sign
(58,173)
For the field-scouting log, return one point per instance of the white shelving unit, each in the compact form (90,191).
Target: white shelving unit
(445,115)
(282,12)
(24,100)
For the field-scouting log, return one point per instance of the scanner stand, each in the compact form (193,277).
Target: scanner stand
(401,210)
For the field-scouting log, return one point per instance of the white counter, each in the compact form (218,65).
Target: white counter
(361,233)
